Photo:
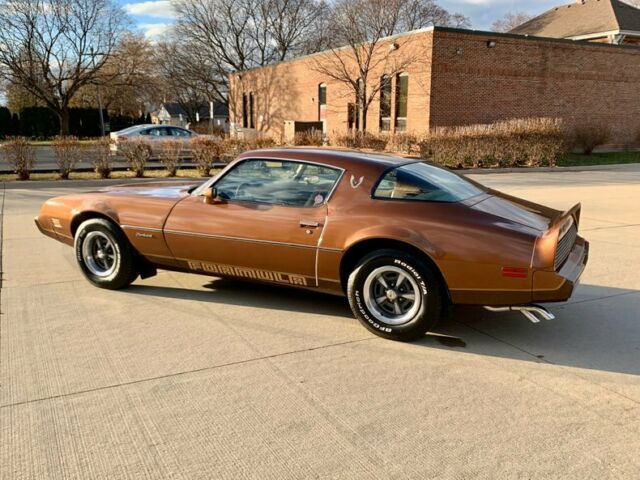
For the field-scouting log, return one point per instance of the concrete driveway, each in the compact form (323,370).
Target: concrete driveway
(185,376)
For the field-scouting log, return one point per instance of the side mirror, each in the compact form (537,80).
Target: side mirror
(210,196)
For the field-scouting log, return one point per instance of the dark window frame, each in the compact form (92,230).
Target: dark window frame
(245,101)
(252,110)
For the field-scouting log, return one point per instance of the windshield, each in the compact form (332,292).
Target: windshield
(424,182)
(129,129)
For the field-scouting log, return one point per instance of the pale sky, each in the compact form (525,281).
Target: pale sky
(153,17)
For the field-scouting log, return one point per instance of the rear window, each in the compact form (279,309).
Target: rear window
(427,183)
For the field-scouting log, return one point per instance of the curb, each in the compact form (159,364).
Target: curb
(583,168)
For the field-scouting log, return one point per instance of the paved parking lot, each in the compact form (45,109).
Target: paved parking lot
(185,376)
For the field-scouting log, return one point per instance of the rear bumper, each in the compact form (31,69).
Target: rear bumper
(549,286)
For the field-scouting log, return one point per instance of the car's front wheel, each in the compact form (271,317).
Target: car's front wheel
(395,295)
(104,254)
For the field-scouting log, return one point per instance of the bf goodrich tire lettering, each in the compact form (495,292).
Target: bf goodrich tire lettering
(104,254)
(395,295)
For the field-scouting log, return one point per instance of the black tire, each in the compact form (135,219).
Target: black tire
(123,270)
(417,275)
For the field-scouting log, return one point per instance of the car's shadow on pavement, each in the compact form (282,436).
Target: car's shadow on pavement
(251,294)
(599,329)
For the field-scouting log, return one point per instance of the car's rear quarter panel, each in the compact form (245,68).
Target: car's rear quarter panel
(470,248)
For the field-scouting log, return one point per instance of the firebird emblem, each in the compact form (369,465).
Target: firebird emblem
(354,183)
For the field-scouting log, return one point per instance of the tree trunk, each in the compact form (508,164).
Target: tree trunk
(63,115)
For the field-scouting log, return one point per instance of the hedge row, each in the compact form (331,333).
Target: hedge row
(42,123)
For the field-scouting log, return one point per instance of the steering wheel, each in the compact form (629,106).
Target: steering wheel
(239,189)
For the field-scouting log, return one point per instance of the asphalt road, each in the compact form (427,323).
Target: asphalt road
(185,376)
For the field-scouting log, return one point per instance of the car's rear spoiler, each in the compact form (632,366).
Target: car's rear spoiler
(572,212)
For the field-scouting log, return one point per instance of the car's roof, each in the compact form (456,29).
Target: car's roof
(142,126)
(343,158)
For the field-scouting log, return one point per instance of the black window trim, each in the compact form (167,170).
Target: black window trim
(373,196)
(233,166)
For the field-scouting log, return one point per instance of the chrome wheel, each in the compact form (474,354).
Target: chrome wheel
(392,295)
(99,254)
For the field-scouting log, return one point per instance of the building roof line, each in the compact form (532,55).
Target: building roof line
(454,30)
(337,49)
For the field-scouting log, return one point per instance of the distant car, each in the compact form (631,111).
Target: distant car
(400,237)
(154,135)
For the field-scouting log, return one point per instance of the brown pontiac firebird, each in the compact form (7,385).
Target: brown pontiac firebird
(401,238)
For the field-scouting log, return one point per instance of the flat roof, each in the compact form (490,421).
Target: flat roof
(484,33)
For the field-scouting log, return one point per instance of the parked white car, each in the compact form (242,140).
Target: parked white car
(154,135)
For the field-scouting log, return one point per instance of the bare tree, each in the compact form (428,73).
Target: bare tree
(510,21)
(415,14)
(188,76)
(52,48)
(361,54)
(236,35)
(128,80)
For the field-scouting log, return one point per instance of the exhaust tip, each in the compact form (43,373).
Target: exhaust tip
(534,313)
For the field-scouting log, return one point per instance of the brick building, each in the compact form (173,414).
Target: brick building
(454,77)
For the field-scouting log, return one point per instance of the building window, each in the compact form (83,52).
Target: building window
(360,98)
(322,102)
(385,103)
(402,94)
(252,111)
(322,94)
(352,117)
(245,110)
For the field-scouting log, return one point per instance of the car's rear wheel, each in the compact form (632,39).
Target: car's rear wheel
(104,254)
(395,295)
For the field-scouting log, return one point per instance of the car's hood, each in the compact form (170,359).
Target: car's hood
(518,211)
(167,189)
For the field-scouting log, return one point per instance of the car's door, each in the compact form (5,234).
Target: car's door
(155,136)
(183,136)
(266,225)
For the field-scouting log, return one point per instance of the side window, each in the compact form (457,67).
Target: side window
(423,182)
(178,132)
(157,132)
(278,182)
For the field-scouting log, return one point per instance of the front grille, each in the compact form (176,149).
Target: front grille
(565,244)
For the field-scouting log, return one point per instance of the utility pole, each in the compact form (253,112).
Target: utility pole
(210,117)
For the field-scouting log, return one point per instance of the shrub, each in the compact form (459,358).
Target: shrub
(310,138)
(205,150)
(67,151)
(232,147)
(20,154)
(203,128)
(101,156)
(510,143)
(362,140)
(261,142)
(588,137)
(403,142)
(171,156)
(136,153)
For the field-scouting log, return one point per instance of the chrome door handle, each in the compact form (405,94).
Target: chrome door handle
(309,224)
